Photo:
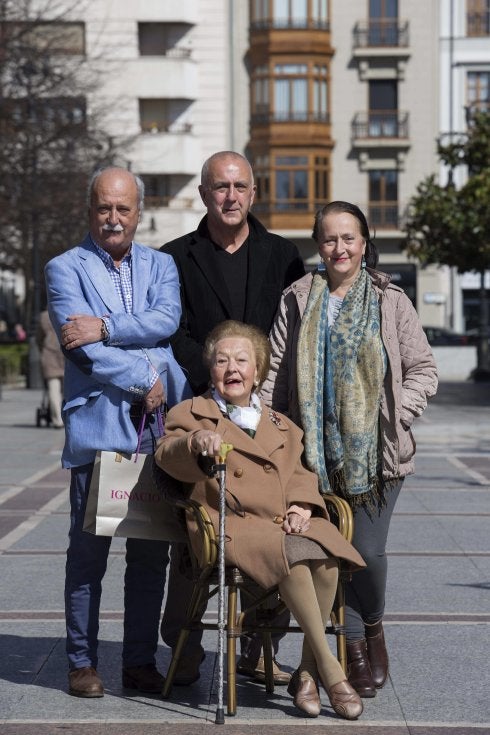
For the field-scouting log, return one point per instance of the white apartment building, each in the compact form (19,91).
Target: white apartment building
(329,99)
(464,50)
(172,76)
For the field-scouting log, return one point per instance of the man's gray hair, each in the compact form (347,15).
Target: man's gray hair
(140,186)
(217,156)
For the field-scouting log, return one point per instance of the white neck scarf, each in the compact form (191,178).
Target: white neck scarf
(246,417)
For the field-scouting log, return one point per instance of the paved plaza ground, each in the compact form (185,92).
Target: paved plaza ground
(437,617)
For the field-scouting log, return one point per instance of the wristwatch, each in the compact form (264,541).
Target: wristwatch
(104,332)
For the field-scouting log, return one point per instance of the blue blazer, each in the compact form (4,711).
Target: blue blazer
(103,379)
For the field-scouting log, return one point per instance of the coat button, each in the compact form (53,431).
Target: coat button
(278,519)
(267,467)
(238,472)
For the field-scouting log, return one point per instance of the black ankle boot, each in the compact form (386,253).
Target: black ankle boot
(359,670)
(377,653)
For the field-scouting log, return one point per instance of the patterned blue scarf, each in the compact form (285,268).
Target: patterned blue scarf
(340,377)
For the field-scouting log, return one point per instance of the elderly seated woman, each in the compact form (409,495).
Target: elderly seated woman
(277,527)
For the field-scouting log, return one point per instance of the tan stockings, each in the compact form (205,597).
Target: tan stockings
(309,592)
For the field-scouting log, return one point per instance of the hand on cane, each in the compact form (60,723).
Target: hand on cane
(207,443)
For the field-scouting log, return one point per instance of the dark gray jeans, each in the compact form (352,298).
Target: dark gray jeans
(365,593)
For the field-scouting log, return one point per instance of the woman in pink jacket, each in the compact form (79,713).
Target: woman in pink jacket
(351,365)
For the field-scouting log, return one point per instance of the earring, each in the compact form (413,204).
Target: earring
(321,267)
(256,383)
(363,261)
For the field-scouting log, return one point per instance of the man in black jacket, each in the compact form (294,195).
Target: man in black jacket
(231,267)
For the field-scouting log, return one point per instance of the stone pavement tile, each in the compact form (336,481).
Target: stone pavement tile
(32,582)
(49,535)
(437,584)
(475,500)
(439,533)
(437,471)
(440,672)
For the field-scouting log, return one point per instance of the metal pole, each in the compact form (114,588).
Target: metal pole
(220,470)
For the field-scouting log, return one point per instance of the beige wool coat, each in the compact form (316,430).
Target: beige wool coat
(264,477)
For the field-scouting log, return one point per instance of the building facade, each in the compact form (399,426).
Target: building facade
(329,100)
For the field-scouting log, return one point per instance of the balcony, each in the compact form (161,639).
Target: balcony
(159,126)
(385,33)
(380,128)
(290,24)
(159,76)
(166,153)
(383,216)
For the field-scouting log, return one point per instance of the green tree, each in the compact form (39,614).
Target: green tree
(451,226)
(51,138)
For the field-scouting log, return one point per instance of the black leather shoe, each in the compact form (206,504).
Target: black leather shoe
(143,678)
(188,669)
(85,682)
(377,653)
(358,669)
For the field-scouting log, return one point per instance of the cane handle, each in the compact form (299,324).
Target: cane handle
(224,450)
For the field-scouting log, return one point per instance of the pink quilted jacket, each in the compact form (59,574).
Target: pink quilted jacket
(410,379)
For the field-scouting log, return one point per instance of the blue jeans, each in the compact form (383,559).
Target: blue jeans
(86,563)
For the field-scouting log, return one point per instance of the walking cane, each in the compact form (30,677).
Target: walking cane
(220,470)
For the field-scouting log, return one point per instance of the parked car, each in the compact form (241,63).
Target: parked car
(474,334)
(439,336)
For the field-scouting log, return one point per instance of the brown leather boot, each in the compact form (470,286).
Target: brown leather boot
(377,653)
(359,670)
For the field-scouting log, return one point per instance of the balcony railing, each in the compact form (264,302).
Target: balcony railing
(268,24)
(383,215)
(382,33)
(380,124)
(294,116)
(178,53)
(156,126)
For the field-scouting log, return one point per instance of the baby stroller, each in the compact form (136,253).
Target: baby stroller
(43,413)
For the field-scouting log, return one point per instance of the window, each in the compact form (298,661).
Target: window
(52,37)
(383,109)
(478,91)
(383,199)
(478,17)
(383,23)
(289,182)
(290,92)
(299,93)
(162,39)
(291,190)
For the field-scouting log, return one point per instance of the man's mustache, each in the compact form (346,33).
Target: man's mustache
(112,228)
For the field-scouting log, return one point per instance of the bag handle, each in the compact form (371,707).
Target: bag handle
(161,429)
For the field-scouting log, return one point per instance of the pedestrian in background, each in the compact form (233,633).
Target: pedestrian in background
(52,366)
(114,304)
(352,366)
(231,267)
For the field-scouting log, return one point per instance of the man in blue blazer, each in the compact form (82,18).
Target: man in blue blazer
(114,305)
